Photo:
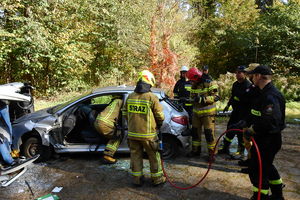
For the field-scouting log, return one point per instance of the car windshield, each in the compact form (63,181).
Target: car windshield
(60,106)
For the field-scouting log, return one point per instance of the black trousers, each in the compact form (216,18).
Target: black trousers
(234,118)
(268,146)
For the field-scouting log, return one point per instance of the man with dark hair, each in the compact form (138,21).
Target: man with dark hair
(205,76)
(266,121)
(239,110)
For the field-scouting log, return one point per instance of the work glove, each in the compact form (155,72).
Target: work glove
(226,109)
(209,99)
(239,125)
(248,133)
(199,99)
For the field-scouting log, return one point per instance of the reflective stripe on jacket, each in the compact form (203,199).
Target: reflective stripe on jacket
(144,114)
(110,114)
(207,93)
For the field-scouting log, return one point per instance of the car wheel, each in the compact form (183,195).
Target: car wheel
(33,146)
(170,148)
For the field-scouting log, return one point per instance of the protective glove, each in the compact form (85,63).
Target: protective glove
(226,109)
(248,133)
(239,125)
(209,99)
(199,99)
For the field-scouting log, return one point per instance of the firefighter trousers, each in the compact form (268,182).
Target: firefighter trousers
(108,132)
(268,146)
(208,123)
(136,159)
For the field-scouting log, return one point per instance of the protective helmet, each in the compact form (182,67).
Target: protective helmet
(147,77)
(194,74)
(184,69)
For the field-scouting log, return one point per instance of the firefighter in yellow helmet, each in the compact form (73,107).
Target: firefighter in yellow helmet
(205,95)
(145,116)
(105,124)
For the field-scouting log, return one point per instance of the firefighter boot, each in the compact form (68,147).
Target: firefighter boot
(158,181)
(108,160)
(138,181)
(276,192)
(239,155)
(262,196)
(225,148)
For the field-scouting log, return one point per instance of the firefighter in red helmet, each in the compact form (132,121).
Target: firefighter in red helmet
(205,96)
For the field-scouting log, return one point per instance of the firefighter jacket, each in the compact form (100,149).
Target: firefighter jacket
(144,115)
(238,91)
(206,78)
(182,88)
(205,96)
(109,116)
(267,113)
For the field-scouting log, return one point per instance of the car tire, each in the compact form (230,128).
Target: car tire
(33,146)
(170,148)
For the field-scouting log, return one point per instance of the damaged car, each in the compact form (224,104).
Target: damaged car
(61,129)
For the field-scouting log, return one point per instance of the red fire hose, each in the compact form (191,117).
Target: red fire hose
(210,164)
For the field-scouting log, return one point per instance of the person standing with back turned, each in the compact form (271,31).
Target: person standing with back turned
(145,116)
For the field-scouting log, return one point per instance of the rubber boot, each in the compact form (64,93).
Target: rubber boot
(262,196)
(239,155)
(225,148)
(138,181)
(276,192)
(159,181)
(244,163)
(108,160)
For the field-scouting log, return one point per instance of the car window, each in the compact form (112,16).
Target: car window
(60,106)
(101,99)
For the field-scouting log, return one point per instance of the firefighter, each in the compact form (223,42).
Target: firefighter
(266,121)
(145,116)
(238,111)
(106,125)
(205,95)
(251,93)
(182,91)
(205,76)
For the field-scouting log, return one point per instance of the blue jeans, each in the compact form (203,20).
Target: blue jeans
(4,142)
(5,152)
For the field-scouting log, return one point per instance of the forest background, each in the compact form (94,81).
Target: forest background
(63,46)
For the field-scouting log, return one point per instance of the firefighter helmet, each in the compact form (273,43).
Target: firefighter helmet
(184,69)
(194,74)
(147,77)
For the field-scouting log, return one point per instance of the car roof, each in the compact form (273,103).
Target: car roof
(122,88)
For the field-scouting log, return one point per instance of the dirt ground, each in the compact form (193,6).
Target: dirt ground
(83,177)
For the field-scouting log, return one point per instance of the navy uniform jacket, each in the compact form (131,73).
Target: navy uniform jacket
(267,111)
(238,92)
(180,89)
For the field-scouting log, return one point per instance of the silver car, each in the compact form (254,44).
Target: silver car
(61,129)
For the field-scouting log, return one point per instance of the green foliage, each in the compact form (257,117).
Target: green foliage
(224,36)
(279,37)
(225,82)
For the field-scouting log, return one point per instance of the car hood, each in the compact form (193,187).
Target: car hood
(35,116)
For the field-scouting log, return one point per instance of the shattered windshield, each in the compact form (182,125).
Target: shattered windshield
(60,106)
